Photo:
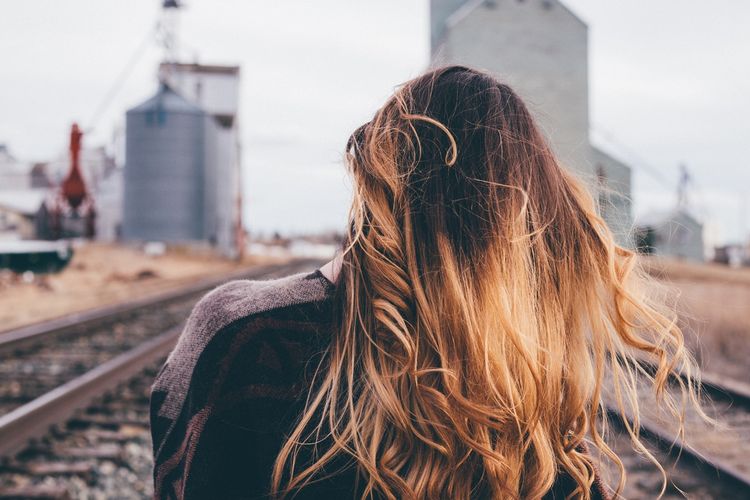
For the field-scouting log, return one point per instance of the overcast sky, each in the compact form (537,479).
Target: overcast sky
(669,80)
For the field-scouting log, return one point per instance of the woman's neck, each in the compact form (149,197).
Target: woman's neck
(332,268)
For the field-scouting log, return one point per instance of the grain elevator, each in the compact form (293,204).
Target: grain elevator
(182,172)
(182,154)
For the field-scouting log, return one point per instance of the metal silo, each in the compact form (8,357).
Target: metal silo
(165,170)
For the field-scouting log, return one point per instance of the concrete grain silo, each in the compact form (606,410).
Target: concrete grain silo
(164,195)
(540,48)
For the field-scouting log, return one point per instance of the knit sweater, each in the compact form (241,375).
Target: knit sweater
(235,384)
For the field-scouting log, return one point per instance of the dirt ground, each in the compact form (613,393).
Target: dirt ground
(714,305)
(102,274)
(714,300)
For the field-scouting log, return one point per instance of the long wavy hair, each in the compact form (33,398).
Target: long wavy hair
(485,310)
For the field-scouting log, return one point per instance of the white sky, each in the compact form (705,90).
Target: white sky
(669,80)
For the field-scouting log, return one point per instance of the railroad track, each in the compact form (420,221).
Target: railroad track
(104,452)
(101,452)
(51,447)
(92,355)
(721,453)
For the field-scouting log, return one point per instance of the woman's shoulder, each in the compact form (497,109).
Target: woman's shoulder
(237,310)
(237,367)
(240,299)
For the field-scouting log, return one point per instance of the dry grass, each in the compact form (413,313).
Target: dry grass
(103,274)
(678,270)
(714,305)
(714,300)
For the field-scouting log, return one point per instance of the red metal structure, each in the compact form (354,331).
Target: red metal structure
(73,187)
(70,212)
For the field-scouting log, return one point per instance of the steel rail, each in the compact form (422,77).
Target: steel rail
(726,388)
(35,417)
(711,383)
(677,446)
(11,339)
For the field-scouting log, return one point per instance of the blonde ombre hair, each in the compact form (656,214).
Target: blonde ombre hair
(482,304)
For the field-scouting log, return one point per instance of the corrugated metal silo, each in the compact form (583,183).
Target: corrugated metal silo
(215,89)
(165,170)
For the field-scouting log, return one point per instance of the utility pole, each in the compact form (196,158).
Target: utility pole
(744,237)
(682,187)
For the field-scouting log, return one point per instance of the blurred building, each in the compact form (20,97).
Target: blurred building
(14,174)
(182,173)
(18,212)
(108,196)
(29,195)
(540,48)
(40,178)
(676,232)
(732,255)
(23,189)
(614,188)
(673,233)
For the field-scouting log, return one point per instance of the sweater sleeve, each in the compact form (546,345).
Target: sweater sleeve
(231,387)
